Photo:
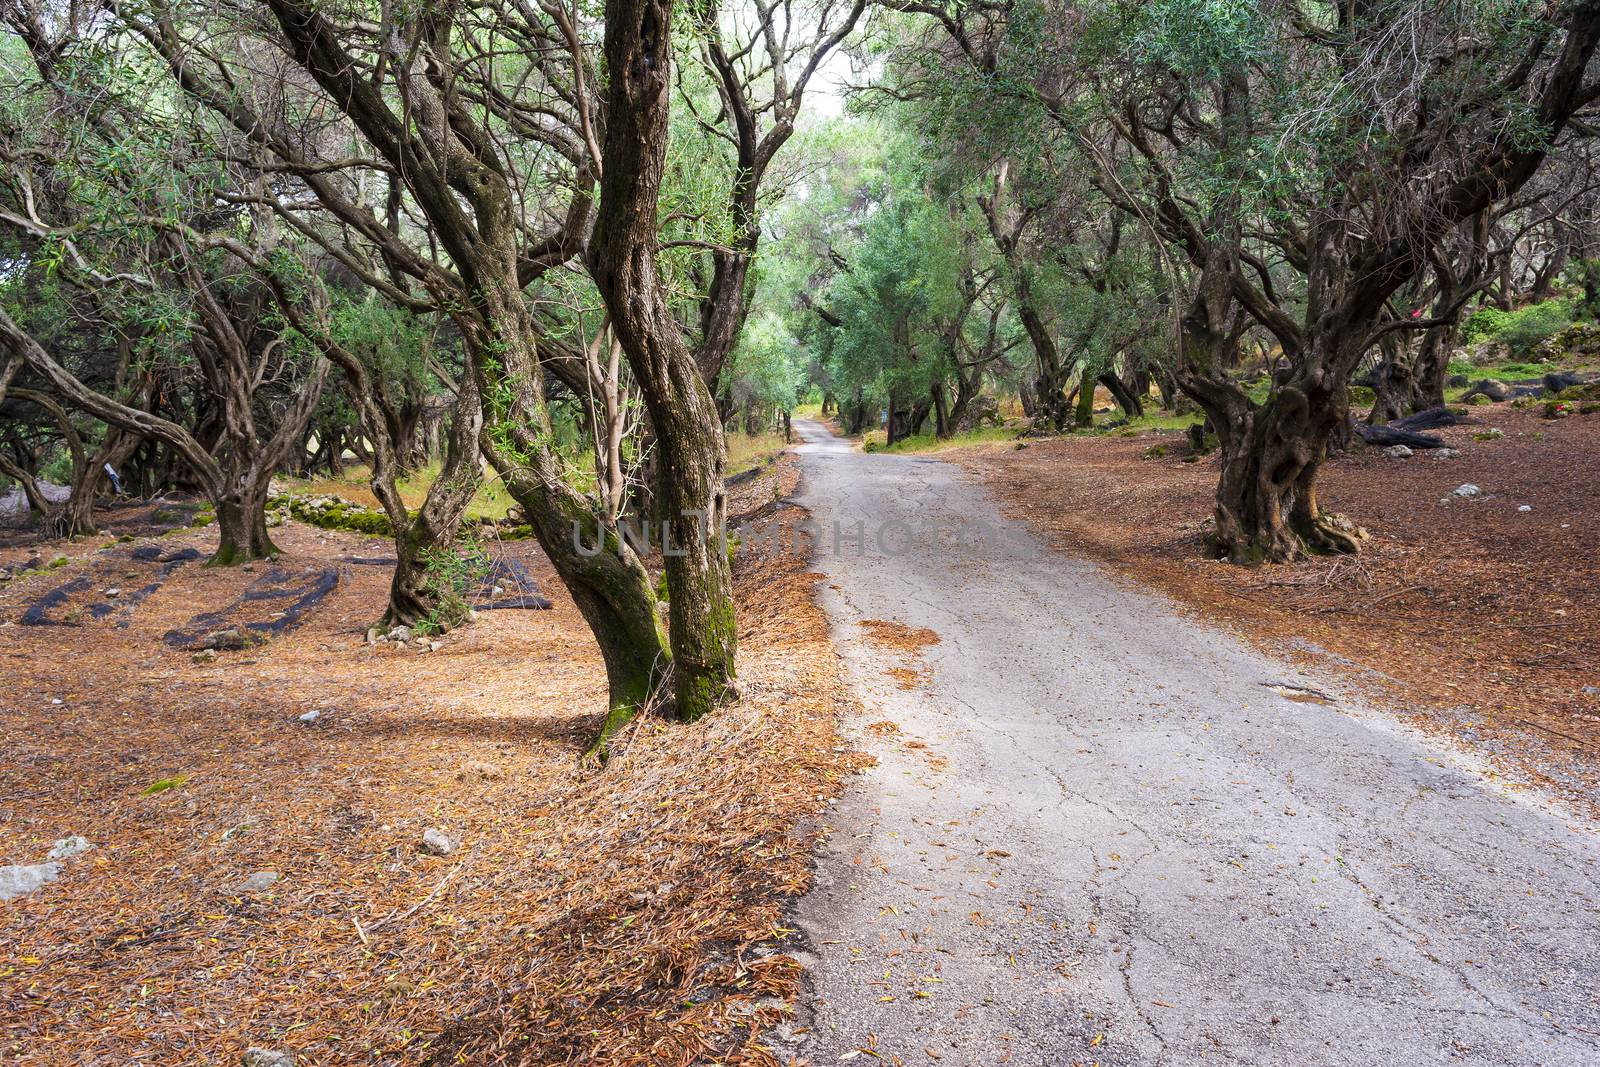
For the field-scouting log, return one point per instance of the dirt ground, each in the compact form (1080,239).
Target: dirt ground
(624,915)
(1477,619)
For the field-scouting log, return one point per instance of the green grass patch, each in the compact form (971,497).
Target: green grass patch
(1521,330)
(1163,420)
(873,441)
(355,484)
(746,451)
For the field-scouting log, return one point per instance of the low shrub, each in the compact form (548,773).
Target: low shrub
(1519,331)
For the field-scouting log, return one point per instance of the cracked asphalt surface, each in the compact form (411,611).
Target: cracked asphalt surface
(1102,833)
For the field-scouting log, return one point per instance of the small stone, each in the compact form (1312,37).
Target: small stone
(1466,489)
(267,1057)
(400,633)
(248,567)
(434,646)
(69,847)
(1398,452)
(309,717)
(1525,508)
(436,842)
(374,636)
(15,881)
(497,590)
(397,988)
(473,768)
(113,593)
(205,655)
(1445,453)
(55,701)
(259,882)
(229,638)
(1591,691)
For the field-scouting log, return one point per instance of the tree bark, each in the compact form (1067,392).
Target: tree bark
(414,591)
(74,517)
(1127,399)
(242,526)
(1083,417)
(683,412)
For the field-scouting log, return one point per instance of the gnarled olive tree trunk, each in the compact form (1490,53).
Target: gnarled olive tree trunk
(414,591)
(607,580)
(1266,507)
(687,424)
(73,517)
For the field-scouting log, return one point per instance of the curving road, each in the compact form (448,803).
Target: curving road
(1103,833)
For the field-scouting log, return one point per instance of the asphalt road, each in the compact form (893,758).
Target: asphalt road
(1102,833)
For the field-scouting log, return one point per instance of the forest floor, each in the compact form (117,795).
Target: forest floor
(1477,619)
(629,914)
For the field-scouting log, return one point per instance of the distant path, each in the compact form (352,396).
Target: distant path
(1136,852)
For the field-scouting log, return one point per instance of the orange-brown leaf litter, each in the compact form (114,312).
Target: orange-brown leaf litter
(625,915)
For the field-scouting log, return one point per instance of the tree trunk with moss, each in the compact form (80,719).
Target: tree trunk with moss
(242,527)
(602,572)
(415,591)
(1083,416)
(492,265)
(688,428)
(1266,507)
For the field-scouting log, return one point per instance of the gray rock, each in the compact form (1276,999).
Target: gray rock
(1525,508)
(400,633)
(1466,489)
(436,842)
(1591,691)
(481,769)
(113,593)
(16,881)
(267,1057)
(229,638)
(1493,388)
(1398,452)
(69,847)
(1445,453)
(309,717)
(259,882)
